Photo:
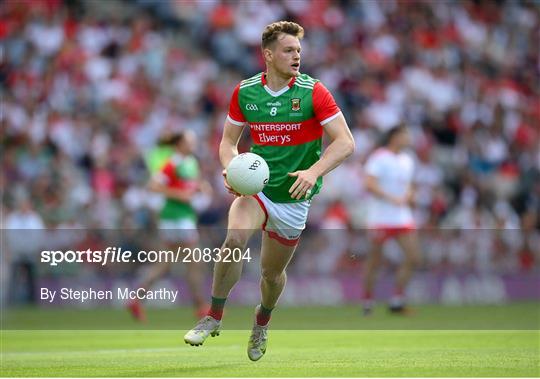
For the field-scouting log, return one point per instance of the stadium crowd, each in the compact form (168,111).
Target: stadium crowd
(89,88)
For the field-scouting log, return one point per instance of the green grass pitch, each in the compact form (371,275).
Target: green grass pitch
(385,346)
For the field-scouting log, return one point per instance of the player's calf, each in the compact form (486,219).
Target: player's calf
(273,277)
(236,239)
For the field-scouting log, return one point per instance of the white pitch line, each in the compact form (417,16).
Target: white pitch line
(113,351)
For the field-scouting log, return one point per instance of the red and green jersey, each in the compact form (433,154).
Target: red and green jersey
(156,158)
(286,127)
(181,173)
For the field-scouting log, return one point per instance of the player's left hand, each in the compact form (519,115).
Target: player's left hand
(305,180)
(227,185)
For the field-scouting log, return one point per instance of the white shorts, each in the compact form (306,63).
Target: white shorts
(181,230)
(284,221)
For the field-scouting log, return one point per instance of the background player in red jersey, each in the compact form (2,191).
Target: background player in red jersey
(389,179)
(179,181)
(286,112)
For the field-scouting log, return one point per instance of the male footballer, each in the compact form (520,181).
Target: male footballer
(178,179)
(389,179)
(286,113)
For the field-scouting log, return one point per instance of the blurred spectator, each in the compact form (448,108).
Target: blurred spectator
(90,87)
(24,236)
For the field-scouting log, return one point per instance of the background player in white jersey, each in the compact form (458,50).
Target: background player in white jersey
(281,94)
(389,174)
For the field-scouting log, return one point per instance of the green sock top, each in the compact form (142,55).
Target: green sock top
(265,311)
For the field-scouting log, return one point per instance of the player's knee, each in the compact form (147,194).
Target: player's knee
(373,260)
(234,240)
(416,261)
(413,261)
(271,277)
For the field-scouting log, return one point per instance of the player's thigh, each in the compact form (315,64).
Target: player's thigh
(157,269)
(275,256)
(192,257)
(377,241)
(176,233)
(408,242)
(245,215)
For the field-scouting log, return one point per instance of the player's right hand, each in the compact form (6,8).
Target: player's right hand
(227,186)
(399,201)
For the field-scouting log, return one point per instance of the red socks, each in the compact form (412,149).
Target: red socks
(216,308)
(263,315)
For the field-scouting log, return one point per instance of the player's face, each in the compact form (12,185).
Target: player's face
(188,143)
(285,55)
(404,139)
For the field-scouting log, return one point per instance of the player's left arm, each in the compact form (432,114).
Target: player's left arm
(340,147)
(411,190)
(160,183)
(171,193)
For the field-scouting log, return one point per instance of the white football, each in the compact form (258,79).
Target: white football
(248,173)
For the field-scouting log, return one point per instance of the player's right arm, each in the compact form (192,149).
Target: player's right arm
(171,193)
(160,183)
(228,147)
(372,185)
(374,169)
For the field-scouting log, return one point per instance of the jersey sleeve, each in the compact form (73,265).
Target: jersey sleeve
(324,105)
(166,174)
(235,115)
